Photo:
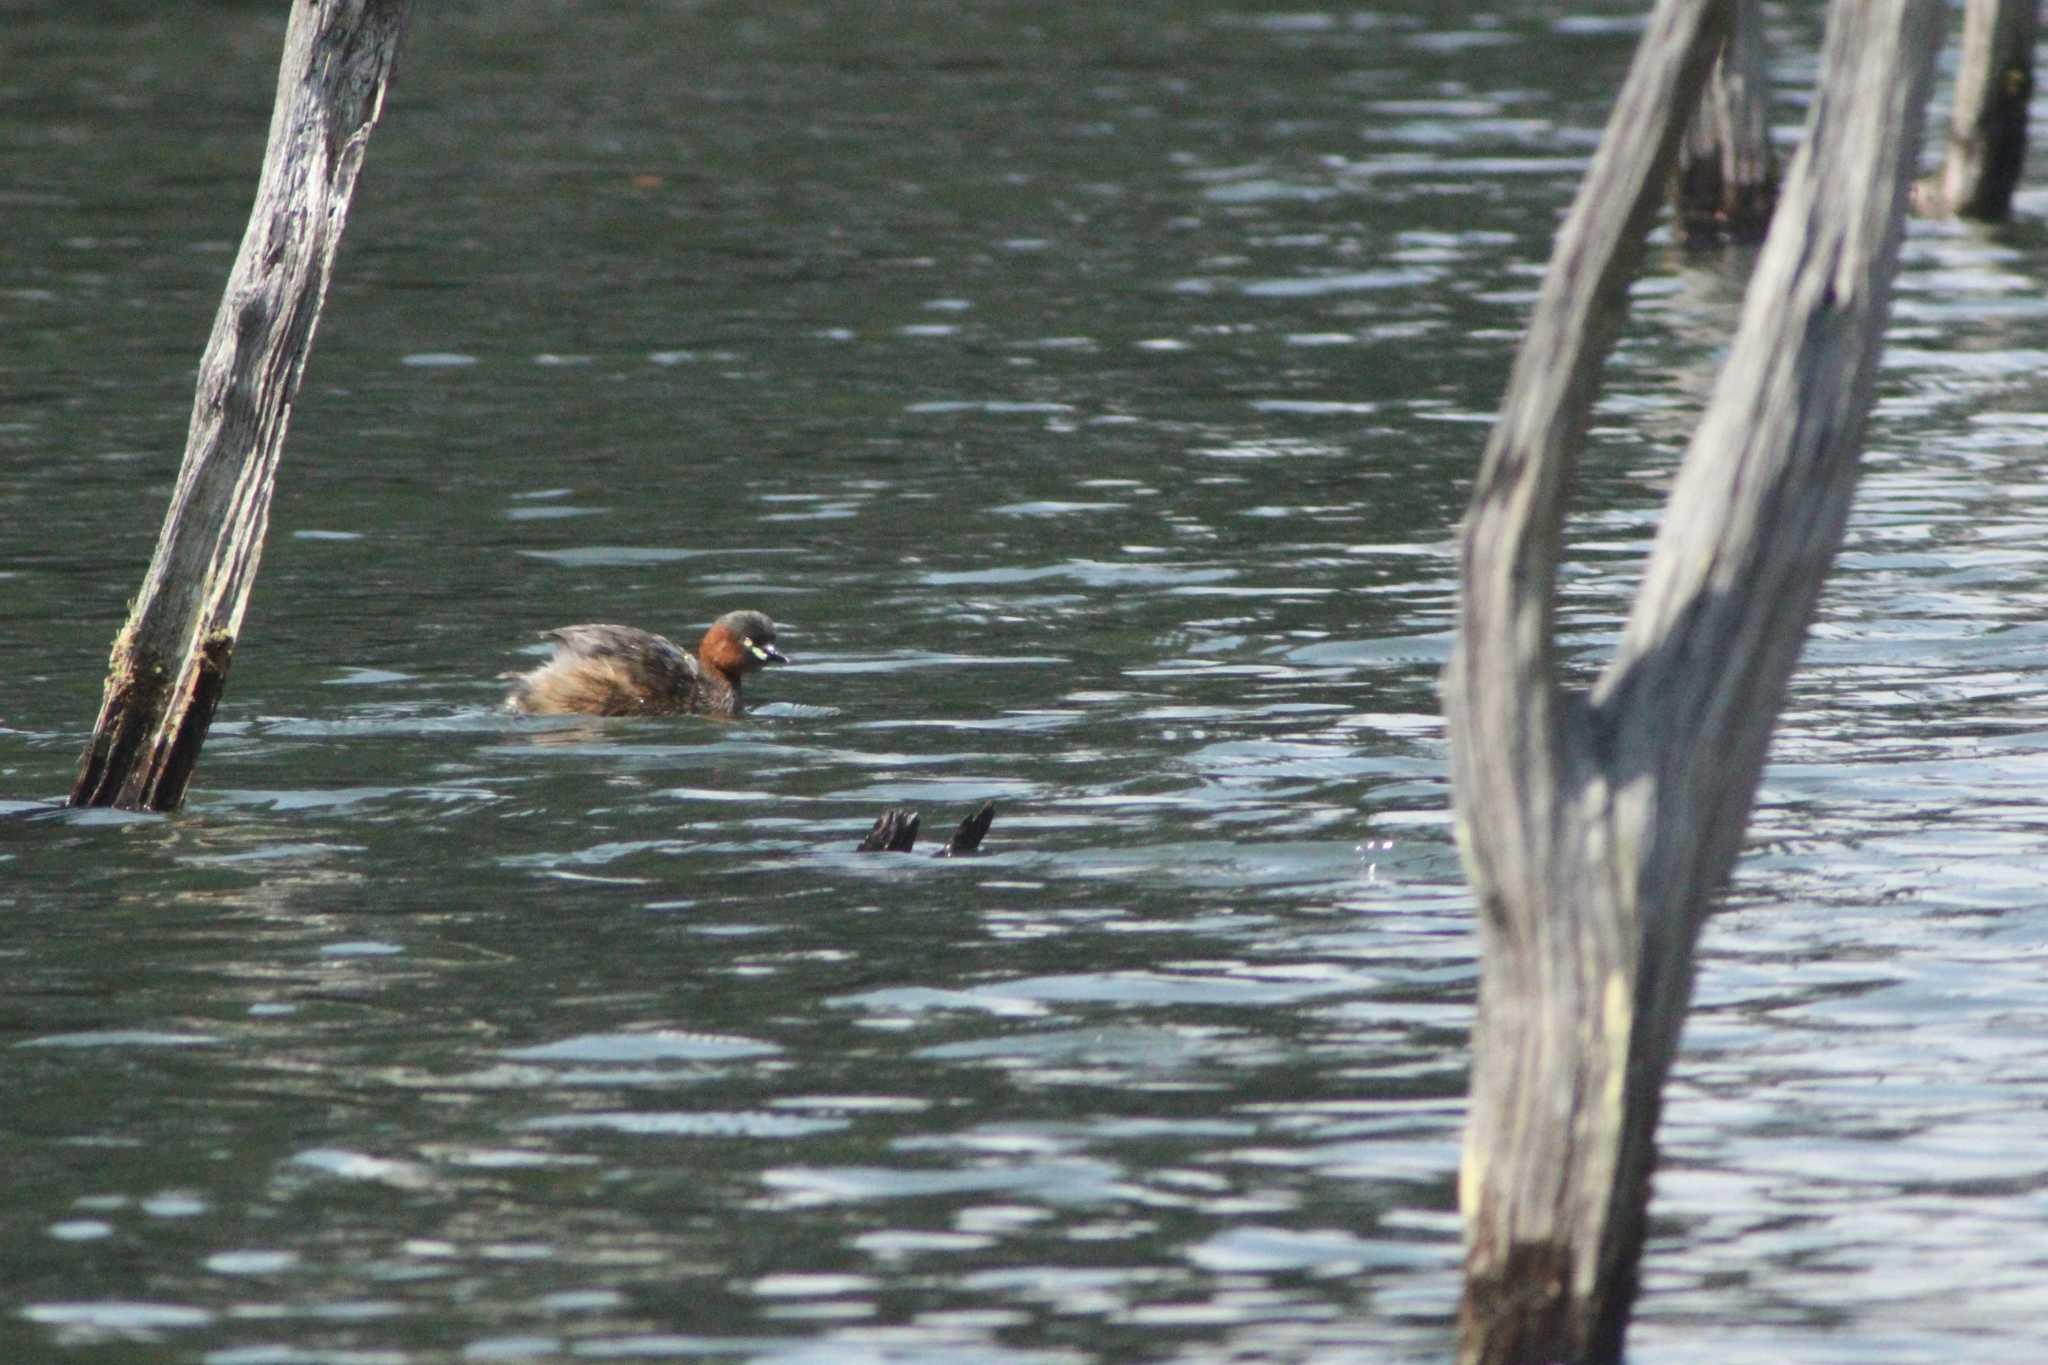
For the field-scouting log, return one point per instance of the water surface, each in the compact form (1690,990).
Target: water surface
(1092,393)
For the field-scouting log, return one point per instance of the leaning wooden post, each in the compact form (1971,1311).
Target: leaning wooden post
(170,660)
(1726,183)
(1597,828)
(1987,136)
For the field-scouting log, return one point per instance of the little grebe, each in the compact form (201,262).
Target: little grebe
(620,671)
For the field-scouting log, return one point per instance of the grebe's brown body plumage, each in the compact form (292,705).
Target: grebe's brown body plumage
(619,671)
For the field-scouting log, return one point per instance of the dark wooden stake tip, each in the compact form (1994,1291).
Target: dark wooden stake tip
(967,839)
(895,831)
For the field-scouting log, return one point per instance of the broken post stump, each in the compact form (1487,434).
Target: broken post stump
(170,660)
(1987,135)
(1726,184)
(971,831)
(895,831)
(1597,828)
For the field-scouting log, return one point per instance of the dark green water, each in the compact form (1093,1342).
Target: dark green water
(1091,392)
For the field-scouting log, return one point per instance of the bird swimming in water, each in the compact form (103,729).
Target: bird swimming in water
(619,671)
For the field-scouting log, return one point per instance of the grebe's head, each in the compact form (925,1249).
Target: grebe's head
(742,642)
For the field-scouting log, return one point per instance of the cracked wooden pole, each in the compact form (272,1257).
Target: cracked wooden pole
(170,660)
(1598,827)
(1726,183)
(1987,135)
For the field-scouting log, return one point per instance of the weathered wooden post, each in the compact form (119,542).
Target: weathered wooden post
(1987,135)
(170,660)
(1597,827)
(1727,179)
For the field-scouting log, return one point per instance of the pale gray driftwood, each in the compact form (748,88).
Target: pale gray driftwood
(1597,828)
(170,660)
(1987,134)
(1726,183)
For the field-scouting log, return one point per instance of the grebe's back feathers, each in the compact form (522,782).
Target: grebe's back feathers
(607,670)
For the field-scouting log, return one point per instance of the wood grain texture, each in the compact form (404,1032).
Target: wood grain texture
(170,660)
(1598,828)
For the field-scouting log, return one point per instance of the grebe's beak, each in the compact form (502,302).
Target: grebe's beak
(767,654)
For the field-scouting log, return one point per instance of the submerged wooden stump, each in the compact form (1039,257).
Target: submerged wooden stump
(170,661)
(895,831)
(1597,828)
